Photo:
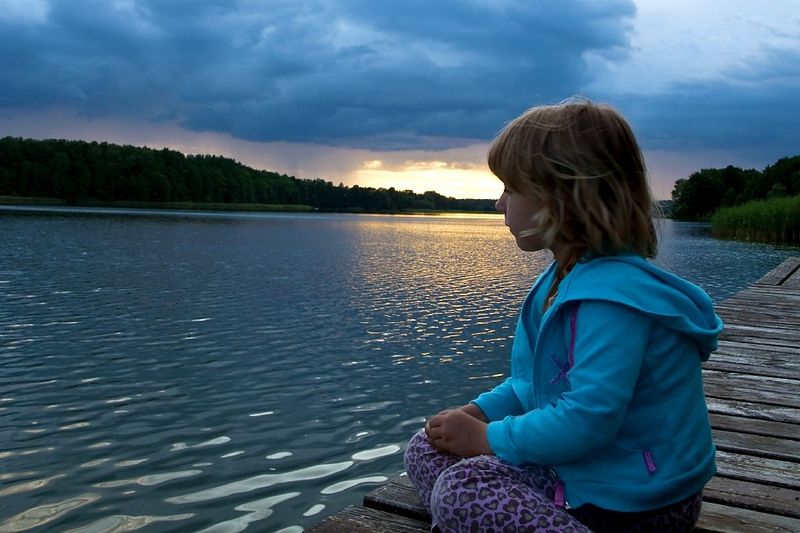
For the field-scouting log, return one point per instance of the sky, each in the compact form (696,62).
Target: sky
(406,94)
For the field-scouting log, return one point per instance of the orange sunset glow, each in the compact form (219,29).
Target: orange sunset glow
(465,181)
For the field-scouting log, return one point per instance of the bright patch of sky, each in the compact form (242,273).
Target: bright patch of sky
(683,41)
(23,10)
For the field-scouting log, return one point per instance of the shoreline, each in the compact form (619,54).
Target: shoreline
(30,201)
(37,202)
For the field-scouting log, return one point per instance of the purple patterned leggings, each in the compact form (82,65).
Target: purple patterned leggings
(485,493)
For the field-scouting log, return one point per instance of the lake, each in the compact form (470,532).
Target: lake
(187,371)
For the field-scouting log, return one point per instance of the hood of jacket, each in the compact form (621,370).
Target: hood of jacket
(632,281)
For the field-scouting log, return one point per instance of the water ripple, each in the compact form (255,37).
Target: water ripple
(150,479)
(350,483)
(260,482)
(257,510)
(119,523)
(383,451)
(29,485)
(44,514)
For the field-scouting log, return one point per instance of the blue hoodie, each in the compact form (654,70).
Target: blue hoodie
(606,387)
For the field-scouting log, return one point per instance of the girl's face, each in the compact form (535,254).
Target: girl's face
(519,210)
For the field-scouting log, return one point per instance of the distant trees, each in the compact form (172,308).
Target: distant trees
(706,190)
(79,172)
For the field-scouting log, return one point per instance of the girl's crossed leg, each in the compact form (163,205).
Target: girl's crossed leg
(484,493)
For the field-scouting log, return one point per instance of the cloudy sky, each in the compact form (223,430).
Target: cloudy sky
(401,93)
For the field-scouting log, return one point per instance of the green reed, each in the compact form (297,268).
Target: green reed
(774,220)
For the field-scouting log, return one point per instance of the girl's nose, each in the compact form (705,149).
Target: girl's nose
(500,204)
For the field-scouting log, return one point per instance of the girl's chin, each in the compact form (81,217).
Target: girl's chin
(528,244)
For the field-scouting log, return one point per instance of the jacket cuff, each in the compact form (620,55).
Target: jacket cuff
(492,409)
(499,441)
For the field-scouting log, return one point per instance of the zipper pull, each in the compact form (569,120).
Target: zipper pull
(559,499)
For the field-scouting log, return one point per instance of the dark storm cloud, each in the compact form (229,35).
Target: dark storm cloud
(359,73)
(754,109)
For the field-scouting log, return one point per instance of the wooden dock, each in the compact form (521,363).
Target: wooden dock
(752,386)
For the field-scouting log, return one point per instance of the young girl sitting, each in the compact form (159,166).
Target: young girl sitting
(602,424)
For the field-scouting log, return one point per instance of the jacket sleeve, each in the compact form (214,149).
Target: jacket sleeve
(499,402)
(609,348)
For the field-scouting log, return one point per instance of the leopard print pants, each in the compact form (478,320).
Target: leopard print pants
(485,493)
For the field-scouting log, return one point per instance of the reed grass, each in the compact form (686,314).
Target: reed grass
(775,220)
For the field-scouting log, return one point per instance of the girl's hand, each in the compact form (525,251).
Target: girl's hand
(458,432)
(474,411)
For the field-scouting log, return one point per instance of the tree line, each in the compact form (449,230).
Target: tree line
(705,191)
(81,172)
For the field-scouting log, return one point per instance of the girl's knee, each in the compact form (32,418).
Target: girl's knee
(419,442)
(417,450)
(424,463)
(464,497)
(463,483)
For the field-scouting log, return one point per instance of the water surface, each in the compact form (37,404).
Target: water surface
(218,371)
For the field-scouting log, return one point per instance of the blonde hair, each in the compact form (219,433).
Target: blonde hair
(581,163)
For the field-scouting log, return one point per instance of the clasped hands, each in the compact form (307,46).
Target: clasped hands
(460,431)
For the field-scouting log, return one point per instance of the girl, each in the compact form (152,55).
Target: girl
(603,424)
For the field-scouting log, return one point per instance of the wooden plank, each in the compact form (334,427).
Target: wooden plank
(723,405)
(758,341)
(716,518)
(761,290)
(761,343)
(743,307)
(781,357)
(787,335)
(760,389)
(752,426)
(792,283)
(356,519)
(784,310)
(758,445)
(752,395)
(776,299)
(755,320)
(784,304)
(757,370)
(754,496)
(771,298)
(755,314)
(778,275)
(757,469)
(791,385)
(735,347)
(779,326)
(398,496)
